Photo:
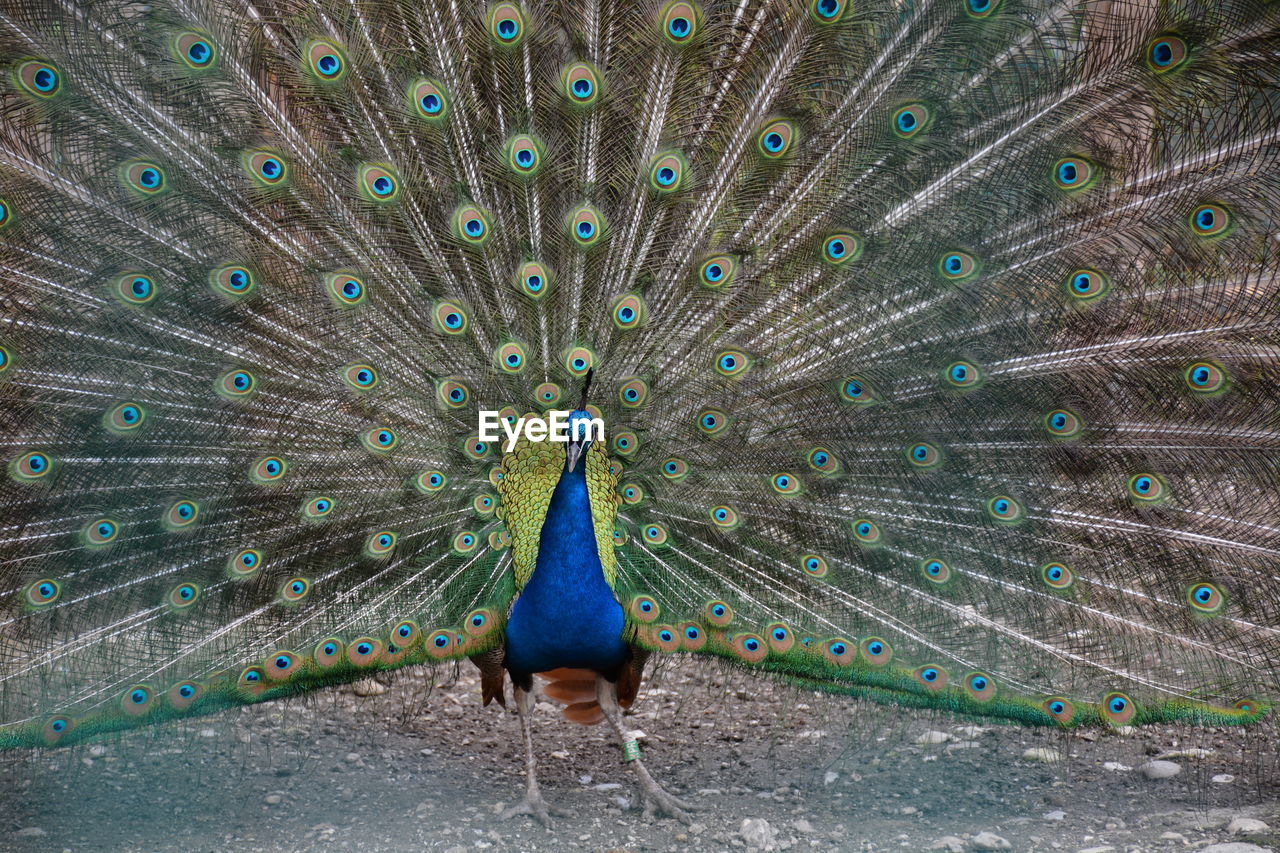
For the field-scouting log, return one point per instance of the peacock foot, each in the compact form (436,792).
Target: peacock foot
(537,808)
(659,803)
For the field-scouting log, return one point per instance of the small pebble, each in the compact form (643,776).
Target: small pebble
(757,832)
(948,843)
(273,799)
(1223,779)
(1116,767)
(1043,754)
(933,737)
(353,757)
(1055,815)
(1106,848)
(830,777)
(1233,847)
(1160,769)
(989,841)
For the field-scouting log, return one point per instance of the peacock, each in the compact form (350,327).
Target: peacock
(920,351)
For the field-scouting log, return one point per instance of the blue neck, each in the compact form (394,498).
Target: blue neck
(566,614)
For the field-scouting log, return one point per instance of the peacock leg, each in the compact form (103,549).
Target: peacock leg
(656,800)
(532,804)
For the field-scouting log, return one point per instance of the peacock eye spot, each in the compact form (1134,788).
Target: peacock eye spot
(718,610)
(714,272)
(138,697)
(692,633)
(329,64)
(930,674)
(773,141)
(363,648)
(1162,53)
(1117,704)
(584,229)
(678,27)
(838,649)
(582,88)
(875,648)
(252,676)
(864,528)
(751,644)
(441,641)
(430,103)
(978,683)
(779,634)
(330,649)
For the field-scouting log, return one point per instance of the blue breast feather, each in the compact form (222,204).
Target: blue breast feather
(566,615)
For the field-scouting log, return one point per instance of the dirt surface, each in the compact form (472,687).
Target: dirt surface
(427,768)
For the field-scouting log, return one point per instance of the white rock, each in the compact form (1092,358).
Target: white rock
(209,733)
(1194,752)
(1246,825)
(972,731)
(830,777)
(1223,779)
(273,799)
(352,757)
(1106,848)
(804,826)
(1055,815)
(989,841)
(933,737)
(368,687)
(1043,754)
(607,786)
(949,843)
(1233,847)
(757,832)
(1116,767)
(30,832)
(1160,769)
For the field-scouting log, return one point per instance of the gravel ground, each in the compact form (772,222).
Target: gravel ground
(770,768)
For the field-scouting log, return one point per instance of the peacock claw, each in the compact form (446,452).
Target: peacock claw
(537,808)
(659,803)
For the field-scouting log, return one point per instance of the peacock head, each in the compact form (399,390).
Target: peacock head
(581,430)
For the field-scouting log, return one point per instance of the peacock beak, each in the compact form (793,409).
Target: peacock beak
(575,451)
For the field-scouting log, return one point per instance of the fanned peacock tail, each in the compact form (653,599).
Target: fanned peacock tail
(935,343)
